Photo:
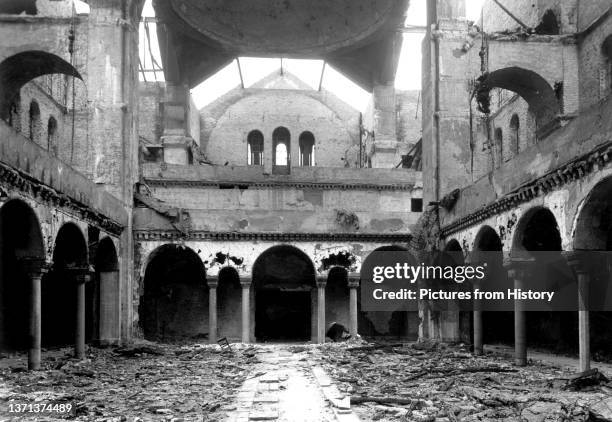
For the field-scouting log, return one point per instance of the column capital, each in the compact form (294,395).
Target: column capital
(353,283)
(577,261)
(246,283)
(518,266)
(82,274)
(212,283)
(321,282)
(34,266)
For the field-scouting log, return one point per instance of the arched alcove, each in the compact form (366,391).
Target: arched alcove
(174,304)
(21,237)
(284,281)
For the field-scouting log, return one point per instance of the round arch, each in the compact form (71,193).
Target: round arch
(285,294)
(592,228)
(19,69)
(538,93)
(59,300)
(537,230)
(103,318)
(174,299)
(21,237)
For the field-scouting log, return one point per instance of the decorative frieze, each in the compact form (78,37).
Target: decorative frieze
(153,235)
(567,173)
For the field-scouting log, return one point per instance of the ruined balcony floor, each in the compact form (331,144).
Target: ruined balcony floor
(300,383)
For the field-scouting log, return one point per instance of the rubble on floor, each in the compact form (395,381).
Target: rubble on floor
(434,382)
(147,381)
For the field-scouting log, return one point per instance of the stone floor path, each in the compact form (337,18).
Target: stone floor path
(282,387)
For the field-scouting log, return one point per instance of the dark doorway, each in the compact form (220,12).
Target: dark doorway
(284,280)
(282,315)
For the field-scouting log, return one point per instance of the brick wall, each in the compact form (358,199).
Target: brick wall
(226,123)
(594,69)
(530,12)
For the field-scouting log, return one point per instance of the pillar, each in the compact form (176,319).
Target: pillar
(353,327)
(212,310)
(81,276)
(321,311)
(110,313)
(477,315)
(246,310)
(35,268)
(576,261)
(517,270)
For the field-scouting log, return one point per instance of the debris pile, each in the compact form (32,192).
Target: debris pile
(431,382)
(147,381)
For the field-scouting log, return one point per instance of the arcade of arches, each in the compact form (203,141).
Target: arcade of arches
(283,298)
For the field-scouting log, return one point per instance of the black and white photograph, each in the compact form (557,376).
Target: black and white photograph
(306,210)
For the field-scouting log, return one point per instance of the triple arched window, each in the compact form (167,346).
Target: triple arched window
(281,149)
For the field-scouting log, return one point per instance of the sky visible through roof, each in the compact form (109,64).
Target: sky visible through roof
(254,69)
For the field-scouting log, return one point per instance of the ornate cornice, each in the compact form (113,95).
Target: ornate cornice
(11,178)
(152,235)
(280,184)
(567,173)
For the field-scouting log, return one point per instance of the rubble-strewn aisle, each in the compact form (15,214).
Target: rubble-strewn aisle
(430,382)
(144,382)
(281,388)
(305,383)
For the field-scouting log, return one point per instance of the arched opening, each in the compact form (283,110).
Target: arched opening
(255,148)
(174,304)
(34,122)
(337,297)
(593,232)
(497,326)
(103,318)
(52,135)
(549,25)
(281,151)
(606,72)
(21,68)
(533,88)
(285,294)
(229,302)
(14,113)
(396,324)
(59,292)
(538,231)
(21,238)
(499,146)
(307,142)
(515,137)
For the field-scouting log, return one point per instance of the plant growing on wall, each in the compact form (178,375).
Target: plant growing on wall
(347,219)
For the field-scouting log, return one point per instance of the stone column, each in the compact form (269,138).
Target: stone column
(246,310)
(80,276)
(477,314)
(576,261)
(353,285)
(35,268)
(321,311)
(212,310)
(517,270)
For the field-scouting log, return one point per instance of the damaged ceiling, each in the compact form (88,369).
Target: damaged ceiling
(361,38)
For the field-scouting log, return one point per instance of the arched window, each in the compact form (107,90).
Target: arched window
(52,135)
(549,25)
(14,116)
(606,72)
(281,153)
(499,145)
(307,141)
(255,147)
(515,126)
(34,123)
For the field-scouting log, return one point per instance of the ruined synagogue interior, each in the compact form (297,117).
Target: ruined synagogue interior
(191,192)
